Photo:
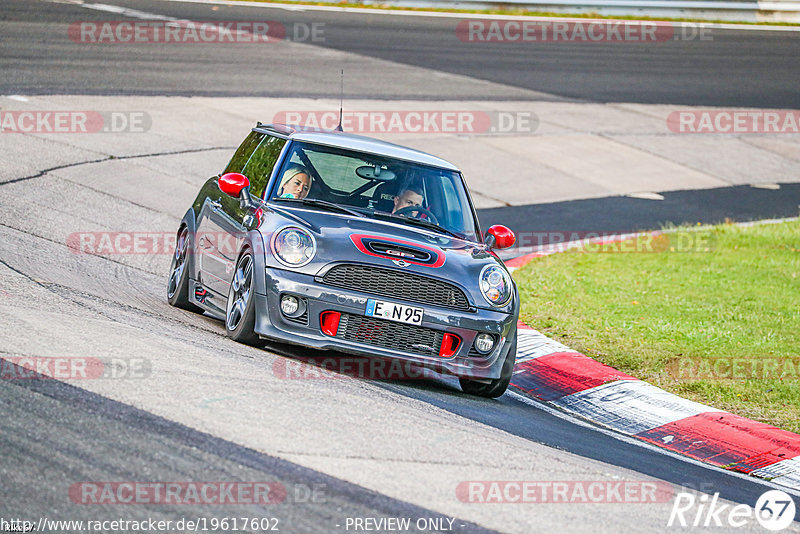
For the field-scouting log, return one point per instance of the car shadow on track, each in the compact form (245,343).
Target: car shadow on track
(301,362)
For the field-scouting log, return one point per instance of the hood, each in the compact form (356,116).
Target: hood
(343,238)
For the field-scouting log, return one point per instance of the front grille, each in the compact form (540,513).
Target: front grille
(300,319)
(389,335)
(396,284)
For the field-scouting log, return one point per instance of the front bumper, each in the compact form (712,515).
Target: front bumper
(272,324)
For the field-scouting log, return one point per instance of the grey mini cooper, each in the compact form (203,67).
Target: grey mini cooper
(336,241)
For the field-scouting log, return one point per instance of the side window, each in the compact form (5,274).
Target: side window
(259,167)
(244,152)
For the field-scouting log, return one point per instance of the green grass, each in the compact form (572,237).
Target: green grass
(647,314)
(516,12)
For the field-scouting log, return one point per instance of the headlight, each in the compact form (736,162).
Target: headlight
(294,247)
(495,285)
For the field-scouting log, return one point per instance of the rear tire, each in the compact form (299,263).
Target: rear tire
(178,283)
(497,386)
(240,312)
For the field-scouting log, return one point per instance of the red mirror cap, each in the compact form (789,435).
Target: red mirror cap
(503,236)
(232,183)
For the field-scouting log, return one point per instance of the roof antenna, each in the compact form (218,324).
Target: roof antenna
(341,99)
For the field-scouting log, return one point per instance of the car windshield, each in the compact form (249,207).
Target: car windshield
(376,186)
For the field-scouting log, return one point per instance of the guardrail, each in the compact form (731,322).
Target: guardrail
(741,11)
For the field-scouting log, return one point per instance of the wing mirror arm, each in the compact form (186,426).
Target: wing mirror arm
(490,241)
(237,185)
(246,200)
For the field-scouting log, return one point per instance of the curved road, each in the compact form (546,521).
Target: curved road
(206,409)
(742,68)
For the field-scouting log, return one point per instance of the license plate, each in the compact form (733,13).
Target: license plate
(394,312)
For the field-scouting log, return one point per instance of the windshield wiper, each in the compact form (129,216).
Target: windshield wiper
(321,204)
(420,222)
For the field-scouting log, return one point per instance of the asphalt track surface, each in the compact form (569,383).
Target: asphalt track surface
(624,214)
(365,442)
(175,452)
(741,68)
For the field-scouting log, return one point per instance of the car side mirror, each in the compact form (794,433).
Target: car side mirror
(232,183)
(499,236)
(237,185)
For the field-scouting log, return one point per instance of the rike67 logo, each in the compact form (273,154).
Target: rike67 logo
(774,510)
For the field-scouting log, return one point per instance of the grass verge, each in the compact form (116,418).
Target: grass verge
(713,315)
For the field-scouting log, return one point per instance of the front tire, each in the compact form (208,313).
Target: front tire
(178,283)
(497,386)
(240,313)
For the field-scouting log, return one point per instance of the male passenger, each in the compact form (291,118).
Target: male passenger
(410,196)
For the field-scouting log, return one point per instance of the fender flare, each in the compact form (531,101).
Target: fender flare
(511,336)
(255,242)
(190,223)
(515,313)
